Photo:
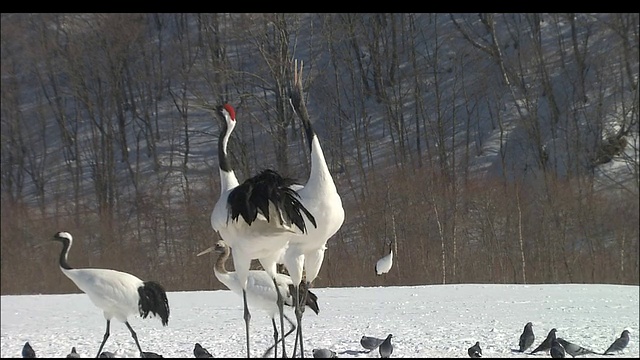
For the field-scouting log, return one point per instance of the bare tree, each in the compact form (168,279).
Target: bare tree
(12,140)
(272,40)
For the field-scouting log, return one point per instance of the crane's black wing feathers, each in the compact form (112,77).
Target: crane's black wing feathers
(255,194)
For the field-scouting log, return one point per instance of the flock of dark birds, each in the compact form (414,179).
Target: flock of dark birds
(29,353)
(557,347)
(370,343)
(384,345)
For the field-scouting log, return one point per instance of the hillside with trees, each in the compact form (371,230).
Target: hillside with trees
(483,148)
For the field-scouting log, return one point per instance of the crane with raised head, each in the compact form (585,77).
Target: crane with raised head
(305,253)
(255,218)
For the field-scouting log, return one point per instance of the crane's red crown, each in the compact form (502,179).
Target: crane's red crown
(231,111)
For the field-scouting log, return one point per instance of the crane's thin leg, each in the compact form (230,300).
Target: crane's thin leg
(301,305)
(247,319)
(104,338)
(293,327)
(280,303)
(135,336)
(298,313)
(275,338)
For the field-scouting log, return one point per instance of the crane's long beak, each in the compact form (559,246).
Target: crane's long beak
(206,251)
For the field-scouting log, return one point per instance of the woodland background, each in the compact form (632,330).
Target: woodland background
(483,148)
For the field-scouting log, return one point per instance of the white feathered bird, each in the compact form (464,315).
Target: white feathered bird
(384,264)
(320,197)
(255,217)
(260,288)
(119,294)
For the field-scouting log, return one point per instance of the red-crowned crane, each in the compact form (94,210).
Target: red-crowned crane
(255,217)
(117,293)
(260,289)
(320,197)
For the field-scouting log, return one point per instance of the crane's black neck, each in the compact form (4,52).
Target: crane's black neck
(66,245)
(223,160)
(306,123)
(308,130)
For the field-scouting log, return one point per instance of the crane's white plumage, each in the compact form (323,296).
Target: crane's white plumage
(260,288)
(384,264)
(119,294)
(115,292)
(320,197)
(254,217)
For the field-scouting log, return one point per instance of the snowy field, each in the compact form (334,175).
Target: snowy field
(426,321)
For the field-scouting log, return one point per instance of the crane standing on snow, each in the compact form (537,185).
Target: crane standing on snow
(269,209)
(117,293)
(320,196)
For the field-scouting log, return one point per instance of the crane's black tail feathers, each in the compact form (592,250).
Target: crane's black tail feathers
(312,302)
(312,299)
(255,194)
(153,299)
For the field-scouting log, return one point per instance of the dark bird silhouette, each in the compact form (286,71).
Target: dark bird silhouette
(386,348)
(573,349)
(620,343)
(150,354)
(324,353)
(546,344)
(526,338)
(107,354)
(370,342)
(118,294)
(475,351)
(27,351)
(557,350)
(200,352)
(73,353)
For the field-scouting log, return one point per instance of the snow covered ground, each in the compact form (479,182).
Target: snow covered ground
(426,321)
